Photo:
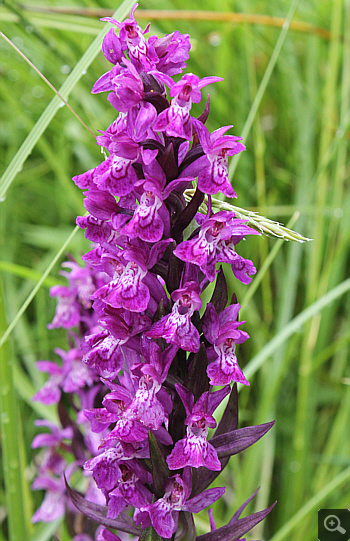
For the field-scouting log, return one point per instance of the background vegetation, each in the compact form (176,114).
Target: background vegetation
(297,160)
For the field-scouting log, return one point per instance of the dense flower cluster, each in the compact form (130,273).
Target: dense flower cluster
(142,360)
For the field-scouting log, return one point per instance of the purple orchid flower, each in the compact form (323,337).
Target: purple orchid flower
(176,120)
(210,245)
(177,327)
(105,349)
(242,268)
(69,377)
(130,490)
(222,331)
(131,38)
(164,513)
(172,51)
(217,147)
(123,421)
(151,218)
(194,450)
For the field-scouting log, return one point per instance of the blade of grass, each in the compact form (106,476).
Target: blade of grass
(259,146)
(11,442)
(21,155)
(37,287)
(29,274)
(312,504)
(264,82)
(293,326)
(44,532)
(46,81)
(286,332)
(305,405)
(278,367)
(193,15)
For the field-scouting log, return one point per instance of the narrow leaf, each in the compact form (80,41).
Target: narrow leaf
(233,532)
(45,531)
(229,419)
(197,380)
(236,441)
(187,215)
(243,506)
(202,478)
(293,326)
(186,522)
(98,513)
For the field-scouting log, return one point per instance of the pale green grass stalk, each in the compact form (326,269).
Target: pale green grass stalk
(12,443)
(259,155)
(305,407)
(311,505)
(260,223)
(264,82)
(282,359)
(46,81)
(40,126)
(29,274)
(265,266)
(294,326)
(44,532)
(37,287)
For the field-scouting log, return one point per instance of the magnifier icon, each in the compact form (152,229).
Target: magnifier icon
(332,524)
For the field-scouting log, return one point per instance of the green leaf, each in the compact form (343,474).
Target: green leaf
(312,505)
(149,534)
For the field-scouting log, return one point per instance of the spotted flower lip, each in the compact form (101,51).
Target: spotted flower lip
(222,330)
(177,327)
(194,450)
(164,513)
(215,242)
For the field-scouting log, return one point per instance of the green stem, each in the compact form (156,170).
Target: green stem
(11,441)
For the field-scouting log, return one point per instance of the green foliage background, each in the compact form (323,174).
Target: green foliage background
(297,159)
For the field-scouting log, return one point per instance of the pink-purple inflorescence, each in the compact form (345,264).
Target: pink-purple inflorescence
(134,391)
